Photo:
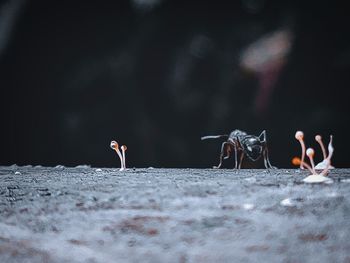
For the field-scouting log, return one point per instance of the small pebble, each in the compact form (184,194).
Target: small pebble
(345,180)
(287,202)
(317,178)
(83,166)
(248,206)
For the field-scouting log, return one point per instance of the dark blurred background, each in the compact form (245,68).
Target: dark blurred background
(157,75)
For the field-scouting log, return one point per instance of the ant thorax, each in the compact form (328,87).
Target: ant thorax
(237,134)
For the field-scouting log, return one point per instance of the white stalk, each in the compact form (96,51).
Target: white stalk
(310,153)
(123,147)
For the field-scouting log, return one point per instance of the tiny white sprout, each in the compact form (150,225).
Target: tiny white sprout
(17,173)
(98,170)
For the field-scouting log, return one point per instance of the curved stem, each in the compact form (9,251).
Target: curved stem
(121,159)
(330,153)
(319,140)
(303,150)
(304,164)
(312,164)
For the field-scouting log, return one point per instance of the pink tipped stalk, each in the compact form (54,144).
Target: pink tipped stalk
(114,145)
(310,153)
(299,135)
(318,138)
(124,148)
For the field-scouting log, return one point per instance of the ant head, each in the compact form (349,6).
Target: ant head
(253,149)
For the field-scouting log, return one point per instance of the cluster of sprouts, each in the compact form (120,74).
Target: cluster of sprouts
(114,145)
(324,166)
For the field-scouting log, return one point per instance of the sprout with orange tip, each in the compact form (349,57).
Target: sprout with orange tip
(114,145)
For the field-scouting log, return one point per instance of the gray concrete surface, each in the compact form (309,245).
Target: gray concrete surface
(172,215)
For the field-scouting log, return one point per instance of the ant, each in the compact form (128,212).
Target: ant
(249,145)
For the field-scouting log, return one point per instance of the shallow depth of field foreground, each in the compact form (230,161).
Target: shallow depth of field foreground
(84,214)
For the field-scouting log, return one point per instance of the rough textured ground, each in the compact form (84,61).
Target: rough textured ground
(172,215)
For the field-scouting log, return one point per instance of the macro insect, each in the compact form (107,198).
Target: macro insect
(243,144)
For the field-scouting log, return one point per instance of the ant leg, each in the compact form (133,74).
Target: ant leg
(262,138)
(222,154)
(267,163)
(241,160)
(236,159)
(228,152)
